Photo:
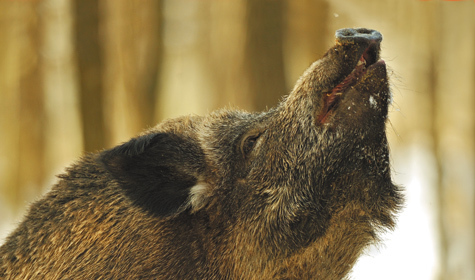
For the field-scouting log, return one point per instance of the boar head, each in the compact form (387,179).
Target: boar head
(298,190)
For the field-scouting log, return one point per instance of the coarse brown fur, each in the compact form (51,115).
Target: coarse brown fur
(296,192)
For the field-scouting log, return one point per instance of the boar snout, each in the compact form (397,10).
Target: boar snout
(358,35)
(349,84)
(366,38)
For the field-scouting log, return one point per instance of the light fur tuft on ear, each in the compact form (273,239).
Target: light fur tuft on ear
(198,196)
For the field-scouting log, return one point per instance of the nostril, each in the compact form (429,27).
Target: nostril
(365,31)
(347,33)
(350,35)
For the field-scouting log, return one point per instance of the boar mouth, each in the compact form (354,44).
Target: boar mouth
(332,98)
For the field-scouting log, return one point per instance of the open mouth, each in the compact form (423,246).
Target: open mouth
(332,98)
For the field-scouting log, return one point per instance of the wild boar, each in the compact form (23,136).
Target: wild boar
(296,192)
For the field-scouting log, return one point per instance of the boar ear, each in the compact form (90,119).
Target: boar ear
(159,172)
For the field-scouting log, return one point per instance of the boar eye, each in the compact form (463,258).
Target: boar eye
(248,144)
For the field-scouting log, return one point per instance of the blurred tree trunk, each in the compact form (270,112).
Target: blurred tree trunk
(90,65)
(22,109)
(188,82)
(9,104)
(133,55)
(433,82)
(32,113)
(455,123)
(306,31)
(228,30)
(247,48)
(247,56)
(60,85)
(264,52)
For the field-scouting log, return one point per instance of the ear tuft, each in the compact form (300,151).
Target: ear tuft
(199,194)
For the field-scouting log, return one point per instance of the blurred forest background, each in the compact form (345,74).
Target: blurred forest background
(80,76)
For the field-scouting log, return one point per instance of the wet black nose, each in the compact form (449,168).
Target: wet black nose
(358,35)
